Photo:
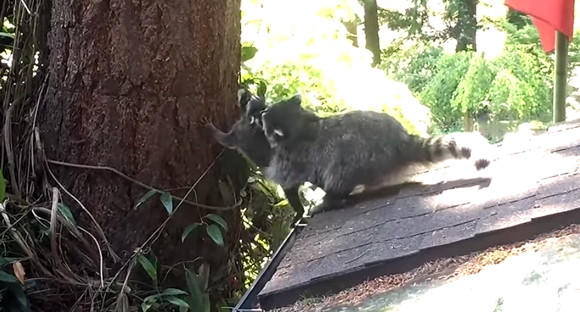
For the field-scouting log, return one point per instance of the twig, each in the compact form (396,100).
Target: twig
(176,264)
(121,174)
(21,242)
(72,229)
(101,262)
(122,293)
(8,145)
(12,225)
(25,6)
(53,214)
(101,232)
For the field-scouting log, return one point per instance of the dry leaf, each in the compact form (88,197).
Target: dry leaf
(19,271)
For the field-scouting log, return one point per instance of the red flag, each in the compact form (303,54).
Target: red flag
(548,16)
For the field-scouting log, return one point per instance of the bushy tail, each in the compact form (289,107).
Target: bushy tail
(459,145)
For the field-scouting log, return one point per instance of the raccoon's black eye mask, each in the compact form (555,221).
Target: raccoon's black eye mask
(257,120)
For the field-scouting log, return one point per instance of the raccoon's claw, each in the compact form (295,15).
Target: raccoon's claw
(215,132)
(206,122)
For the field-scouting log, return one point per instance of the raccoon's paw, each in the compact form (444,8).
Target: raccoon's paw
(209,126)
(206,122)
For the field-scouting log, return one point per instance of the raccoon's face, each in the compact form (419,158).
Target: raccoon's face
(282,121)
(252,106)
(254,110)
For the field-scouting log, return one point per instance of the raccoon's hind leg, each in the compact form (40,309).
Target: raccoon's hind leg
(294,200)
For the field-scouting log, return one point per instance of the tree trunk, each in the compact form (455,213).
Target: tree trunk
(372,30)
(130,82)
(466,25)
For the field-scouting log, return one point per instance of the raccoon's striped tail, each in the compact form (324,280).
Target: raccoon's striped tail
(459,145)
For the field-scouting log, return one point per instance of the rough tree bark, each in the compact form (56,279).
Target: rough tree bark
(129,84)
(372,30)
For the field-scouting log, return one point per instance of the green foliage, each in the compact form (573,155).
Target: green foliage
(167,202)
(521,89)
(169,294)
(516,85)
(218,220)
(198,298)
(215,233)
(415,66)
(66,213)
(413,20)
(472,91)
(189,230)
(12,295)
(441,89)
(315,59)
(148,266)
(145,197)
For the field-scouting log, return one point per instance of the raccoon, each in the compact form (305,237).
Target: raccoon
(247,137)
(246,134)
(344,152)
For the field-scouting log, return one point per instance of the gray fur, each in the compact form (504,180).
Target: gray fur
(247,137)
(342,152)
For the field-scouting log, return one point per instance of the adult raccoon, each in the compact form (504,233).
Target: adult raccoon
(343,153)
(247,137)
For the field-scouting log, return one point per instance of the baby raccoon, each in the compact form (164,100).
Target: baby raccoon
(247,137)
(346,151)
(246,134)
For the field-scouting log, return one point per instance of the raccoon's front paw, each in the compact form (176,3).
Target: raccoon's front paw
(206,122)
(209,126)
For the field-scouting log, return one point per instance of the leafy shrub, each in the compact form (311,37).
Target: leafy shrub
(414,66)
(439,92)
(516,86)
(471,95)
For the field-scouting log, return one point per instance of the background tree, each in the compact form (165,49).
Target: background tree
(129,85)
(371,24)
(464,12)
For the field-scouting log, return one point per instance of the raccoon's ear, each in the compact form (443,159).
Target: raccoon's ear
(296,100)
(244,97)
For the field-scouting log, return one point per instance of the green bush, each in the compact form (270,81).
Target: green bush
(441,89)
(521,89)
(414,66)
(472,94)
(514,87)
